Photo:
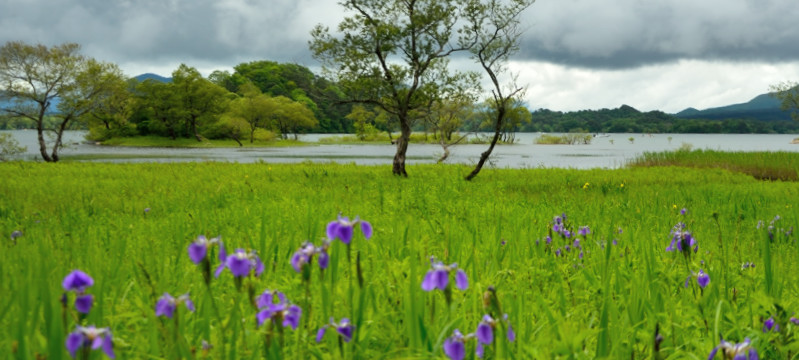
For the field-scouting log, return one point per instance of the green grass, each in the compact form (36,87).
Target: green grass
(91,216)
(778,165)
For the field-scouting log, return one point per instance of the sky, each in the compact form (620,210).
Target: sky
(663,55)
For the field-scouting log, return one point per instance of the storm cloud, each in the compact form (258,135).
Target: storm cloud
(650,54)
(633,33)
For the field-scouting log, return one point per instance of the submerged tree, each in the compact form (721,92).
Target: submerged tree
(498,32)
(392,54)
(39,82)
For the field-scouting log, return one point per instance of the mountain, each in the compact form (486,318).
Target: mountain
(764,107)
(150,76)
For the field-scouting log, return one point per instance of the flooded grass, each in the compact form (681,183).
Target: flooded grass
(780,165)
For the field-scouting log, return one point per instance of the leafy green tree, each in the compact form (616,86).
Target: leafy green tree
(253,107)
(392,54)
(159,104)
(363,121)
(110,117)
(199,98)
(9,147)
(289,116)
(788,93)
(58,82)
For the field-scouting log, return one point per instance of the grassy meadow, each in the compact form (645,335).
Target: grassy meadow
(615,294)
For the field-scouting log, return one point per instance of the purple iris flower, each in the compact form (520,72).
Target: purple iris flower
(342,228)
(281,311)
(77,281)
(302,256)
(199,248)
(742,351)
(241,263)
(167,304)
(794,320)
(485,332)
(344,328)
(15,234)
(438,276)
(83,303)
(682,240)
(454,346)
(702,278)
(683,211)
(90,337)
(584,231)
(770,325)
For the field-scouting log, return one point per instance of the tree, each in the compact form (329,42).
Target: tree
(290,116)
(40,81)
(198,98)
(392,54)
(9,147)
(253,107)
(363,121)
(788,93)
(498,33)
(159,102)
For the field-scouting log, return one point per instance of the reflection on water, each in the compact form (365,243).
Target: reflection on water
(610,151)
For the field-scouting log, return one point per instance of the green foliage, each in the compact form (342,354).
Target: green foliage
(567,139)
(38,81)
(629,120)
(9,147)
(760,165)
(788,95)
(91,216)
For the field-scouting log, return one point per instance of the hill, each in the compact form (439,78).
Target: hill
(764,107)
(150,76)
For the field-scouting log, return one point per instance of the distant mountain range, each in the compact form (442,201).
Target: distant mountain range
(763,107)
(150,76)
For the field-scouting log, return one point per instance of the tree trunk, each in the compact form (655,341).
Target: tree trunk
(194,129)
(42,144)
(484,156)
(402,148)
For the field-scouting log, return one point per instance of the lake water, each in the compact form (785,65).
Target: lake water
(609,151)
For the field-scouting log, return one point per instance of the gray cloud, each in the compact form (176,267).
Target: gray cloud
(632,33)
(222,31)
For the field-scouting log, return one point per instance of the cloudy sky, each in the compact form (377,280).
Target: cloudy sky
(576,54)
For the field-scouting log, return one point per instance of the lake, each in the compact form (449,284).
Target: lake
(607,151)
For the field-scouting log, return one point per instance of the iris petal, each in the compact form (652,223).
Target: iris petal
(366,228)
(461,281)
(74,342)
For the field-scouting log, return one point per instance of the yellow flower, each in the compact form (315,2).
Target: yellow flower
(586,185)
(674,207)
(622,185)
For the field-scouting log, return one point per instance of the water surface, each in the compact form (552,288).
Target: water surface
(608,151)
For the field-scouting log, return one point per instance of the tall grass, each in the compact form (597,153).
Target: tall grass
(778,165)
(606,305)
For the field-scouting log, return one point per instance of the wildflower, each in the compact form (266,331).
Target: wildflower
(281,312)
(302,256)
(85,337)
(794,320)
(454,346)
(586,185)
(344,329)
(15,234)
(485,332)
(683,211)
(702,279)
(584,231)
(199,248)
(241,263)
(742,351)
(77,281)
(438,276)
(167,304)
(341,228)
(682,240)
(770,325)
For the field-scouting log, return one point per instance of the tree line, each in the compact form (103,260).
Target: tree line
(626,119)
